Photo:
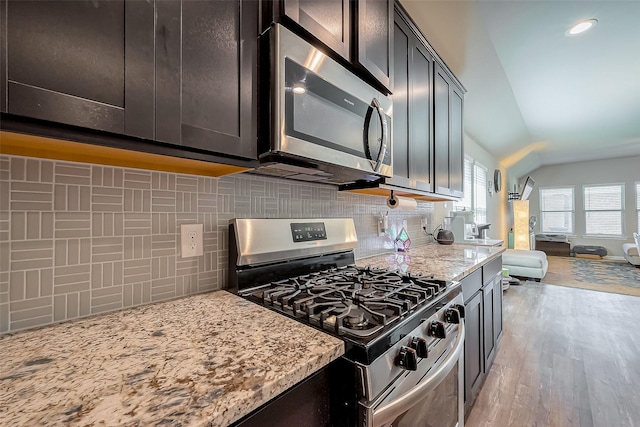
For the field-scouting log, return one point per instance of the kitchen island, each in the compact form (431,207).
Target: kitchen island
(208,359)
(447,262)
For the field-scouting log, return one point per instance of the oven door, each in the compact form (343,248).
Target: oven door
(434,399)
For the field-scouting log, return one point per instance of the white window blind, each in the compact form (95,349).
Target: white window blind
(604,209)
(480,193)
(557,210)
(638,205)
(465,203)
(475,190)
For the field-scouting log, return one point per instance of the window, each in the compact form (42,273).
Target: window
(604,209)
(638,205)
(475,190)
(480,193)
(466,202)
(557,210)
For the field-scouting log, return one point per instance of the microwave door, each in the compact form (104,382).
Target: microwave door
(323,116)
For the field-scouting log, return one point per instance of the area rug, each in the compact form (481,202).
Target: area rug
(599,275)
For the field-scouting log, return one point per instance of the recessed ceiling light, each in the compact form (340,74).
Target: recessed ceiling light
(581,27)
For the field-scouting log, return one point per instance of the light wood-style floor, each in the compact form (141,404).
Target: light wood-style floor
(568,357)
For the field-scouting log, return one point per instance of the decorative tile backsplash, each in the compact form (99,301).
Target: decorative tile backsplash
(80,239)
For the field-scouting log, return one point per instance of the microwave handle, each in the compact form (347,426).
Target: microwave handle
(375,105)
(389,412)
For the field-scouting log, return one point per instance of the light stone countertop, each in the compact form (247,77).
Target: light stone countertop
(448,262)
(208,359)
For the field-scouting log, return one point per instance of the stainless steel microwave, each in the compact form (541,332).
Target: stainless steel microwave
(319,121)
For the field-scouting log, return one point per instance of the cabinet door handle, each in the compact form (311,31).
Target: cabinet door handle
(377,163)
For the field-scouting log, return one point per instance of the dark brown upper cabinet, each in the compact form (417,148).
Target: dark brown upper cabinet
(182,73)
(206,71)
(374,41)
(412,110)
(358,31)
(448,134)
(327,20)
(82,63)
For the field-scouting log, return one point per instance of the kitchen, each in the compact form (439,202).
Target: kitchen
(90,231)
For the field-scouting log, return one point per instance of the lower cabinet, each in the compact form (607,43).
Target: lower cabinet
(492,302)
(473,355)
(324,399)
(482,292)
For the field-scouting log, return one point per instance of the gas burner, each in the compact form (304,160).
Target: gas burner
(355,320)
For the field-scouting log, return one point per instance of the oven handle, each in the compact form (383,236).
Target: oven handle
(395,408)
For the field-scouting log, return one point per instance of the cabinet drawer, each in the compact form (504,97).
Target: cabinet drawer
(490,270)
(471,284)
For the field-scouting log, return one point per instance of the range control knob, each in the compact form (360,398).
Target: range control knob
(436,329)
(421,346)
(407,359)
(460,309)
(451,315)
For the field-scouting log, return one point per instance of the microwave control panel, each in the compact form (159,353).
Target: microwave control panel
(308,231)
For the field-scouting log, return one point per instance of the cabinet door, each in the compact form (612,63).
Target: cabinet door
(489,332)
(328,20)
(456,148)
(473,355)
(3,56)
(441,129)
(206,75)
(497,310)
(375,39)
(402,52)
(421,143)
(448,135)
(69,62)
(412,142)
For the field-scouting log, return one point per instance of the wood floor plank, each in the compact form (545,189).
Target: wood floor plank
(568,357)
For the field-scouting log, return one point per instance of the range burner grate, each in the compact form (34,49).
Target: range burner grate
(351,301)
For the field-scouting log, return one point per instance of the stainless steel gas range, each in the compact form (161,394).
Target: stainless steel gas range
(403,333)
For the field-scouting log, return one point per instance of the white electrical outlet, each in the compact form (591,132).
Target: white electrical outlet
(191,240)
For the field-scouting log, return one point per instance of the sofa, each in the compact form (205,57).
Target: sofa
(528,264)
(632,250)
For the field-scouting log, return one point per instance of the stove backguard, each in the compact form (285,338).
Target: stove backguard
(266,250)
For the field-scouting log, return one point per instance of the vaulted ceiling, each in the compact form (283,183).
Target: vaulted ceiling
(535,95)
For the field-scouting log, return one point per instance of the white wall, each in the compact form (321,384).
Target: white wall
(623,170)
(496,204)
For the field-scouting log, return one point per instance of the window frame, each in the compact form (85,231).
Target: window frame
(587,211)
(572,211)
